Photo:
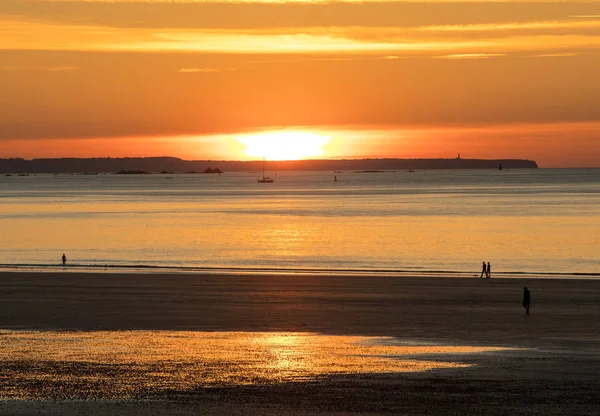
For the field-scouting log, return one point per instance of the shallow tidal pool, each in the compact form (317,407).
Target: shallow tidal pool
(133,364)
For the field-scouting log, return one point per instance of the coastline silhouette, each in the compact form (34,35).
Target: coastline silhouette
(174,164)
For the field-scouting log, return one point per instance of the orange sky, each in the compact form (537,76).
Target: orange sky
(194,79)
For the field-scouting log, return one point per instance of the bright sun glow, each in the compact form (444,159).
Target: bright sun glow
(284,145)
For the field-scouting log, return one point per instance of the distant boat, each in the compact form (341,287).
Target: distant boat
(409,170)
(264,179)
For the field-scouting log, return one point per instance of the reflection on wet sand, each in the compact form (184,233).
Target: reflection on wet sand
(131,364)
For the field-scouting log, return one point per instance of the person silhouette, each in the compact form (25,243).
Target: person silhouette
(489,270)
(64,259)
(526,300)
(483,271)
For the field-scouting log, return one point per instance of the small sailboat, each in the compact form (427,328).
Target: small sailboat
(264,179)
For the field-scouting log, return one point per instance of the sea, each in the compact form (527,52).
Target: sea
(534,222)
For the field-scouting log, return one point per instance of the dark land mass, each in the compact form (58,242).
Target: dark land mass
(172,164)
(132,172)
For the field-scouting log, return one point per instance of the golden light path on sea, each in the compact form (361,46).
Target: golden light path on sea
(130,364)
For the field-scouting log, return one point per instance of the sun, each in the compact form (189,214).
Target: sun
(284,145)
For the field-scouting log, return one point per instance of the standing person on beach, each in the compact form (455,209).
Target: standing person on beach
(64,259)
(483,271)
(489,270)
(526,300)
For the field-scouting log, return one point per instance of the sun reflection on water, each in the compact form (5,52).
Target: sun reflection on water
(127,364)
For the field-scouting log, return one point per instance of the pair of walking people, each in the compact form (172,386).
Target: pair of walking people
(486,270)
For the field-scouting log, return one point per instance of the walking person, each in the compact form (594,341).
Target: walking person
(483,271)
(489,271)
(64,259)
(526,300)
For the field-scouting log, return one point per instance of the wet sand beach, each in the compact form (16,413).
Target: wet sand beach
(70,341)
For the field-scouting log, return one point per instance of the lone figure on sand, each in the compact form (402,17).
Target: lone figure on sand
(489,270)
(64,259)
(526,300)
(483,271)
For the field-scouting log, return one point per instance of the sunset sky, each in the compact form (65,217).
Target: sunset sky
(239,79)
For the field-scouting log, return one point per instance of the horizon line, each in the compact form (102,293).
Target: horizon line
(269,160)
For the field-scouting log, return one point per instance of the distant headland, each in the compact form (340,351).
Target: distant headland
(176,165)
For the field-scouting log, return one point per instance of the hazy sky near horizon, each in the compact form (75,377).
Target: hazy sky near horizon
(371,78)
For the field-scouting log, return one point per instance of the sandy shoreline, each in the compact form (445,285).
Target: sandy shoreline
(555,373)
(242,271)
(564,311)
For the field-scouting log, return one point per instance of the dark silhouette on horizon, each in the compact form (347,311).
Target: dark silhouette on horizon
(173,164)
(526,299)
(489,271)
(483,270)
(64,259)
(209,170)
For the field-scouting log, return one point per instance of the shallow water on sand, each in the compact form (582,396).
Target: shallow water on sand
(133,364)
(541,220)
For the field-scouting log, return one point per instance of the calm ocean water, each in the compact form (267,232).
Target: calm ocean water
(530,221)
